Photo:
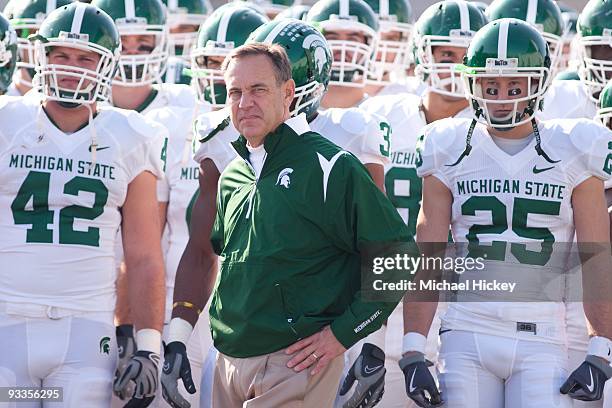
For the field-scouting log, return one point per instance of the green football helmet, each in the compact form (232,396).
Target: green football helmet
(311,61)
(545,15)
(505,48)
(480,4)
(352,59)
(271,8)
(392,46)
(451,23)
(84,27)
(595,39)
(136,18)
(184,19)
(26,16)
(604,113)
(8,53)
(298,12)
(227,28)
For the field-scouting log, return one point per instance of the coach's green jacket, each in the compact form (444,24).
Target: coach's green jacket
(289,244)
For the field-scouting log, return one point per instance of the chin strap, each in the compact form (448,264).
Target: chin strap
(468,145)
(538,145)
(94,135)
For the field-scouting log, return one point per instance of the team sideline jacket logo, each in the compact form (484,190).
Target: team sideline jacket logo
(105,345)
(284,178)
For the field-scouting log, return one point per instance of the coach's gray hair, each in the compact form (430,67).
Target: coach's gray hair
(275,53)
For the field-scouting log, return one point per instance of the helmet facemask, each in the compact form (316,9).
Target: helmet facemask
(209,82)
(382,71)
(605,116)
(352,59)
(431,71)
(25,49)
(141,69)
(596,72)
(93,86)
(538,80)
(307,98)
(182,43)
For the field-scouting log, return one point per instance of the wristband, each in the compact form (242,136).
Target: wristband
(148,340)
(179,330)
(600,347)
(188,305)
(414,341)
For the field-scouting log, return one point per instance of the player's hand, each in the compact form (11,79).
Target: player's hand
(586,383)
(176,365)
(369,372)
(318,349)
(420,385)
(142,370)
(126,347)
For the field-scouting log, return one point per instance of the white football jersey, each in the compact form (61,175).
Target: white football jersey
(365,134)
(511,209)
(216,147)
(61,212)
(415,85)
(12,90)
(402,185)
(567,100)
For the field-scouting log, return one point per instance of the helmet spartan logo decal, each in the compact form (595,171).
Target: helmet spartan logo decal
(313,41)
(284,178)
(105,345)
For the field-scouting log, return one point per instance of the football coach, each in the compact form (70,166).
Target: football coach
(293,212)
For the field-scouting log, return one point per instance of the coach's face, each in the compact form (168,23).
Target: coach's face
(258,103)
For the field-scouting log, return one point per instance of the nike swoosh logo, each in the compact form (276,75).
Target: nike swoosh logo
(536,170)
(591,386)
(411,388)
(369,370)
(100,148)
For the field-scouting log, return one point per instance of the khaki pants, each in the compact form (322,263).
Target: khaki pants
(266,382)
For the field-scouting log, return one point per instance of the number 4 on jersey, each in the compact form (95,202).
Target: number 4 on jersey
(35,189)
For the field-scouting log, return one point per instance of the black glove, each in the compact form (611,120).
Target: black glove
(420,385)
(369,372)
(126,347)
(176,365)
(586,383)
(142,369)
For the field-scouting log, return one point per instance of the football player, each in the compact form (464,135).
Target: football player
(8,54)
(391,58)
(26,16)
(350,29)
(442,34)
(184,20)
(297,11)
(73,173)
(511,354)
(569,57)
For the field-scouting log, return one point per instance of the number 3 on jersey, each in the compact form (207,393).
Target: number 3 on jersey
(385,149)
(35,189)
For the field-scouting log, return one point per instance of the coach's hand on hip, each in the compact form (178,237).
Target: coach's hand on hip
(320,348)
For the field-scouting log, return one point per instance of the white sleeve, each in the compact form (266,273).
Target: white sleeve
(429,160)
(147,155)
(594,141)
(376,136)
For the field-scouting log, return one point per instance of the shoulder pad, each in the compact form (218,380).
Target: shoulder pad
(352,120)
(211,123)
(142,125)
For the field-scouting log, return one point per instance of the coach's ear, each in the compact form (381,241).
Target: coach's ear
(288,91)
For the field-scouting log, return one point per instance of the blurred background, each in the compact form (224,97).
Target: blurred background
(418,6)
